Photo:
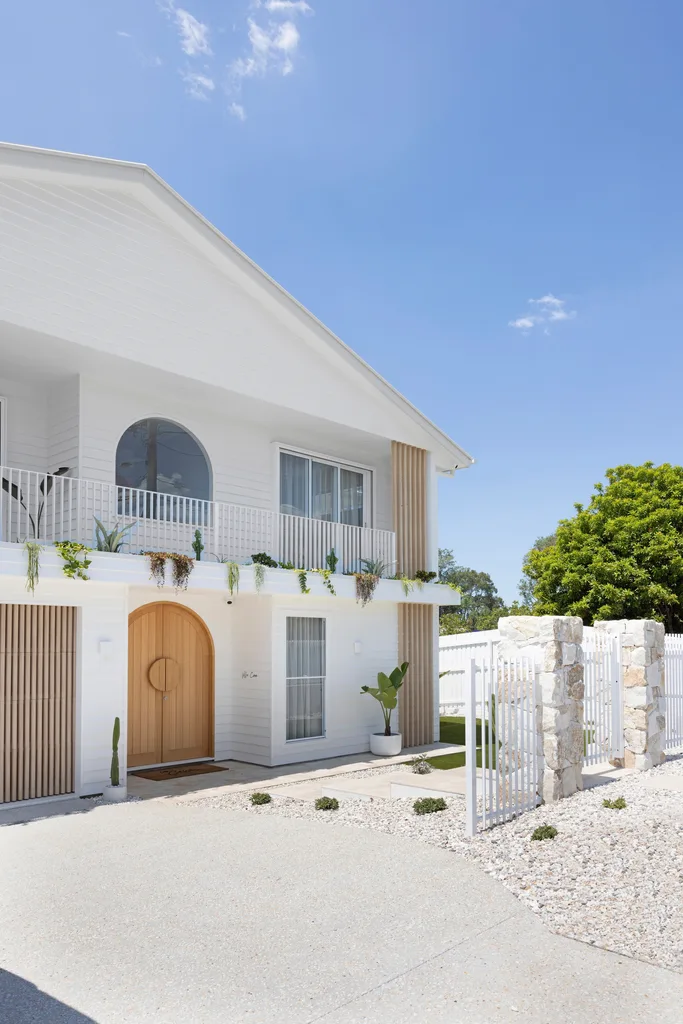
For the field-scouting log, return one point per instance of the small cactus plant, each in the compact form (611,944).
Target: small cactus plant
(116,735)
(197,544)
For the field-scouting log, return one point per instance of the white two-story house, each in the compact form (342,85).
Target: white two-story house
(154,380)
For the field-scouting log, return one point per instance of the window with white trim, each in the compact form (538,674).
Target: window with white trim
(305,677)
(318,489)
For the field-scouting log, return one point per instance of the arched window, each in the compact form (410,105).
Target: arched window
(158,455)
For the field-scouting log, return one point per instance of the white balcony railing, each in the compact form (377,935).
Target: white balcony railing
(48,508)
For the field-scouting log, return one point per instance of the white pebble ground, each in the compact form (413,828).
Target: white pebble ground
(613,878)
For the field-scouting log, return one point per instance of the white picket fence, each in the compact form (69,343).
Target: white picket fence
(504,754)
(673,690)
(603,706)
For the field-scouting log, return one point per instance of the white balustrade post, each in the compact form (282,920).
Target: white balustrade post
(553,643)
(471,751)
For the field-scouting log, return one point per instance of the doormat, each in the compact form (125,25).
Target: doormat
(179,771)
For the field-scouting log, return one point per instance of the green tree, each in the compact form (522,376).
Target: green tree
(480,604)
(526,585)
(621,556)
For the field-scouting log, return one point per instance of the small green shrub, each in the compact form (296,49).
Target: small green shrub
(261,558)
(544,832)
(260,798)
(327,803)
(420,764)
(429,804)
(615,805)
(425,577)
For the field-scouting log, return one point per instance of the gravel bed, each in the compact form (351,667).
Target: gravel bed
(612,878)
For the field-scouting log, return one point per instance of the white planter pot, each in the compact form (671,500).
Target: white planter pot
(386,746)
(115,794)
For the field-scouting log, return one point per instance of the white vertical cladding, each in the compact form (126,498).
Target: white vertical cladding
(247,735)
(63,425)
(102,684)
(26,423)
(350,716)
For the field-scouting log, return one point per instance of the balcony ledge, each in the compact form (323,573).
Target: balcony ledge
(133,570)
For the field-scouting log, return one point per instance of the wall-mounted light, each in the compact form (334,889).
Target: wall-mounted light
(357,647)
(106,649)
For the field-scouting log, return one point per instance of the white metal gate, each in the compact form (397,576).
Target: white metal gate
(603,712)
(673,690)
(503,743)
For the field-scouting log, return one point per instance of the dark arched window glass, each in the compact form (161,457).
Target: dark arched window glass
(158,455)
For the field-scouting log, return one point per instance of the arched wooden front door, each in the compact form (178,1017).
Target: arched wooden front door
(170,685)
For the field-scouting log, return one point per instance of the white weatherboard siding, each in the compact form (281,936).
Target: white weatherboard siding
(98,267)
(64,419)
(249,703)
(237,434)
(350,716)
(26,419)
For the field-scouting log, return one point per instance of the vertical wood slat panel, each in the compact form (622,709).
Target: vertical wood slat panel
(37,692)
(409,478)
(417,695)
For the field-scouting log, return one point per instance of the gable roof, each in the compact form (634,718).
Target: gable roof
(75,169)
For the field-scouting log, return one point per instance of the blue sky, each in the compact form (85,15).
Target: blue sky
(415,174)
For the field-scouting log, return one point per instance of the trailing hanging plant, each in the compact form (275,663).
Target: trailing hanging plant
(366,584)
(110,540)
(182,567)
(407,584)
(303,582)
(33,566)
(332,561)
(326,573)
(74,567)
(197,545)
(157,566)
(233,578)
(259,575)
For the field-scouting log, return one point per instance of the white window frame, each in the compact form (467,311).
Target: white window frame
(357,467)
(323,734)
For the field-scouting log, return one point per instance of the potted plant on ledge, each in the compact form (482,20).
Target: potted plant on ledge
(115,793)
(387,743)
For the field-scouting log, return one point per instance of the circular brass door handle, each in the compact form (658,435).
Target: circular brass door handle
(164,674)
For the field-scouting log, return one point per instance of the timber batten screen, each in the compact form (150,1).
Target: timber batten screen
(415,621)
(37,699)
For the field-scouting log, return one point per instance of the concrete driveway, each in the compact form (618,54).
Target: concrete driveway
(179,913)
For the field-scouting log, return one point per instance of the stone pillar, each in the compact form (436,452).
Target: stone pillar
(642,667)
(554,642)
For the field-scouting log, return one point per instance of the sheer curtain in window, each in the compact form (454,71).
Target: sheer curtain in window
(293,485)
(324,492)
(352,511)
(305,677)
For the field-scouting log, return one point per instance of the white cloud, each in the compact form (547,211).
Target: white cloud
(291,6)
(124,35)
(198,86)
(238,111)
(271,49)
(551,310)
(194,35)
(548,301)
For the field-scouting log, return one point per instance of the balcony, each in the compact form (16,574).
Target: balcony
(48,507)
